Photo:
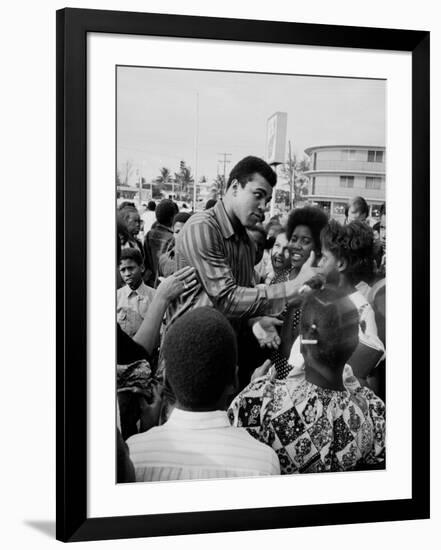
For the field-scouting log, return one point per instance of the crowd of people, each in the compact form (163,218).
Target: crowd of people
(249,346)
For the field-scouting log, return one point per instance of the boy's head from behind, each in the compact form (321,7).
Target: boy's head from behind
(131,267)
(330,319)
(166,211)
(347,251)
(357,209)
(200,354)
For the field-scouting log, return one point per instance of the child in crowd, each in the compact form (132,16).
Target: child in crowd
(158,238)
(357,209)
(167,261)
(134,298)
(317,425)
(137,381)
(197,441)
(347,254)
(280,257)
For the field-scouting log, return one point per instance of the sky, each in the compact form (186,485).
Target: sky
(163,113)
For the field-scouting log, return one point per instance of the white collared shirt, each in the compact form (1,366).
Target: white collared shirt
(132,306)
(199,445)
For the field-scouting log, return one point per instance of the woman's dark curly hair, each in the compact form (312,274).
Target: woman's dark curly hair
(354,243)
(311,216)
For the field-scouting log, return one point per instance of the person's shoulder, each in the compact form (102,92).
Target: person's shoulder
(369,397)
(201,222)
(256,446)
(204,216)
(139,440)
(256,388)
(146,290)
(361,303)
(357,299)
(122,291)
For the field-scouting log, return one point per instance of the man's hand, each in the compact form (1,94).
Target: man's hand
(266,333)
(307,270)
(295,286)
(263,370)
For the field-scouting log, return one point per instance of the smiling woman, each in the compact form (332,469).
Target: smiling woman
(303,234)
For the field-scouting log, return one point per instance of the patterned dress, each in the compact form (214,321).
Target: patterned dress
(313,429)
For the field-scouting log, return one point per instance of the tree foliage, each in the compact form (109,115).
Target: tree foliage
(184,179)
(294,171)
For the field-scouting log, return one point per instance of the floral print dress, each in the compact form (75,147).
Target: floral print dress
(313,429)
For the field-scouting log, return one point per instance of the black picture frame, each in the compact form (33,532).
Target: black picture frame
(73,25)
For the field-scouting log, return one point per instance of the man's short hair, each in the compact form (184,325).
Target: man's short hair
(131,254)
(166,211)
(329,317)
(126,204)
(312,216)
(245,169)
(151,205)
(181,217)
(354,243)
(200,353)
(359,204)
(210,203)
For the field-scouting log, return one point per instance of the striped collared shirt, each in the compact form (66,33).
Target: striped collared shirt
(199,445)
(224,261)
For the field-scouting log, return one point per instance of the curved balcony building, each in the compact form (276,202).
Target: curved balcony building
(340,172)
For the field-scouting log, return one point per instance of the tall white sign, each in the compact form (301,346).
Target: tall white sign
(276,138)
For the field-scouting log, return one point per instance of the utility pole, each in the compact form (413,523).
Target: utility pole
(196,147)
(292,178)
(225,162)
(139,187)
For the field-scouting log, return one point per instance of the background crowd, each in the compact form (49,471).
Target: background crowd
(248,344)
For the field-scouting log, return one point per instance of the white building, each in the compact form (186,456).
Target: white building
(340,172)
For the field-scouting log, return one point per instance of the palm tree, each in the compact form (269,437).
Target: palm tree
(219,183)
(127,172)
(185,178)
(164,178)
(293,170)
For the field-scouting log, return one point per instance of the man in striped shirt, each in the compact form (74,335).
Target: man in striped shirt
(197,441)
(216,244)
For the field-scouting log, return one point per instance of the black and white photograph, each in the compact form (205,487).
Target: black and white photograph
(251,274)
(194,212)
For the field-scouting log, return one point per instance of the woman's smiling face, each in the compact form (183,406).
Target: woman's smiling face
(280,254)
(300,245)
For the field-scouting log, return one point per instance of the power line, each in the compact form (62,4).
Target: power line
(224,162)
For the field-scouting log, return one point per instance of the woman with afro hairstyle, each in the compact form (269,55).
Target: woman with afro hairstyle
(303,233)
